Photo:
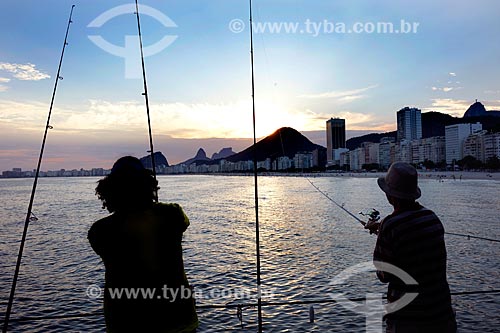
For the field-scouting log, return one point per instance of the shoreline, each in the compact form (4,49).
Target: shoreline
(437,175)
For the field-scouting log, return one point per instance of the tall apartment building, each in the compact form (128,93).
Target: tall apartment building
(403,152)
(386,152)
(336,155)
(335,137)
(474,146)
(371,152)
(431,149)
(357,158)
(455,136)
(491,145)
(482,146)
(409,122)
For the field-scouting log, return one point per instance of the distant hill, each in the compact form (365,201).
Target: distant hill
(160,160)
(356,142)
(223,153)
(433,123)
(200,157)
(286,141)
(475,110)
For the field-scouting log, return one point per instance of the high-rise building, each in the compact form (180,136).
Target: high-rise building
(403,152)
(335,137)
(491,144)
(482,146)
(455,136)
(409,124)
(428,149)
(474,146)
(386,152)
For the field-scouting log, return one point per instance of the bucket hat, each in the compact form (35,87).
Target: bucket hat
(400,182)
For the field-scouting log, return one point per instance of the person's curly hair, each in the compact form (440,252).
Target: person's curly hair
(129,186)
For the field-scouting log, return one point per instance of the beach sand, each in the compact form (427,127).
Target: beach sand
(443,175)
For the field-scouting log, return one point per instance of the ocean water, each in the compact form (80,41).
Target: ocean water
(306,242)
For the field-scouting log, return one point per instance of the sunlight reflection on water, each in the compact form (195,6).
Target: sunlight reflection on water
(305,242)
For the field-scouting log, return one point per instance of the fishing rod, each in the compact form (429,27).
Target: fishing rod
(30,216)
(256,194)
(363,223)
(98,313)
(471,236)
(146,97)
(374,215)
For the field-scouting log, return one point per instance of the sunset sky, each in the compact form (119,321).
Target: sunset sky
(199,85)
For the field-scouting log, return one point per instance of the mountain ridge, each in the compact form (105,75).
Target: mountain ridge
(285,141)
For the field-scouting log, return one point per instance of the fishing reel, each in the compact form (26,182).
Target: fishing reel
(373,215)
(373,218)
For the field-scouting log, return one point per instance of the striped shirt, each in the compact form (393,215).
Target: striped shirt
(413,240)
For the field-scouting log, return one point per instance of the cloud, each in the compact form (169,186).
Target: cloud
(457,107)
(454,107)
(445,89)
(179,120)
(363,121)
(25,72)
(451,84)
(23,115)
(345,96)
(3,80)
(491,104)
(94,134)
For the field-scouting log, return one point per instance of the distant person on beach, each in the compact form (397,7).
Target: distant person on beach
(412,239)
(140,245)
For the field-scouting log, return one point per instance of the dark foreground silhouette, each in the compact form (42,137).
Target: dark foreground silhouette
(146,288)
(412,239)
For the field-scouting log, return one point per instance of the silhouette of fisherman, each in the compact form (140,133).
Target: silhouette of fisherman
(412,238)
(140,245)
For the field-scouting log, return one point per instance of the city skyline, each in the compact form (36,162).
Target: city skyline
(457,141)
(200,85)
(335,130)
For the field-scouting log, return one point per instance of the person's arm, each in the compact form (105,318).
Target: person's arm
(373,226)
(93,238)
(179,220)
(96,234)
(184,219)
(384,252)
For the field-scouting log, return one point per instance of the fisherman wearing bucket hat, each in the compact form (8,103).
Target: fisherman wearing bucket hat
(412,238)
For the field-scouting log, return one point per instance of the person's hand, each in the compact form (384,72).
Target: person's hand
(373,226)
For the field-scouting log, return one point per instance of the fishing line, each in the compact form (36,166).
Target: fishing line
(30,216)
(146,97)
(256,194)
(364,223)
(338,205)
